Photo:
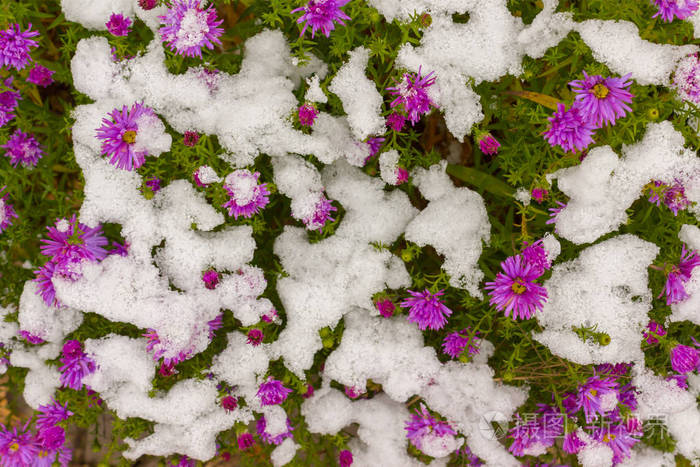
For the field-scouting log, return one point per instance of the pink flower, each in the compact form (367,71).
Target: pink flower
(572,443)
(345,458)
(260,426)
(17,448)
(681,9)
(148,4)
(412,95)
(426,309)
(210,279)
(396,121)
(455,343)
(247,197)
(539,194)
(686,78)
(15,45)
(401,175)
(488,144)
(684,358)
(40,75)
(536,256)
(190,138)
(187,27)
(272,392)
(423,426)
(654,330)
(255,337)
(386,307)
(245,440)
(76,365)
(321,14)
(229,403)
(307,114)
(603,100)
(597,396)
(7,212)
(569,129)
(8,102)
(119,133)
(514,290)
(118,24)
(321,215)
(23,149)
(678,275)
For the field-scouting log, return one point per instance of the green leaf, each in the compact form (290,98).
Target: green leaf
(481,180)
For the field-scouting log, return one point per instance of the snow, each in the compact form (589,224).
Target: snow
(595,455)
(388,163)
(284,453)
(49,323)
(314,93)
(612,275)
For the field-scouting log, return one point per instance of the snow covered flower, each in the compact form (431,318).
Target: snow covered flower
(247,197)
(514,290)
(270,316)
(488,144)
(45,287)
(352,392)
(426,309)
(245,440)
(455,343)
(321,14)
(70,239)
(536,256)
(15,45)
(680,380)
(412,95)
(118,24)
(260,426)
(401,175)
(374,144)
(321,214)
(215,324)
(52,413)
(17,448)
(76,365)
(119,134)
(190,138)
(536,435)
(673,196)
(154,184)
(31,338)
(386,307)
(684,358)
(187,27)
(23,149)
(539,194)
(272,392)
(7,212)
(597,396)
(8,101)
(681,9)
(40,75)
(572,443)
(432,436)
(307,114)
(653,331)
(255,337)
(396,121)
(554,212)
(677,276)
(229,403)
(686,78)
(569,129)
(602,100)
(345,458)
(618,438)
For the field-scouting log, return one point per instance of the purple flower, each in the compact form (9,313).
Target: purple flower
(40,75)
(215,324)
(51,414)
(654,330)
(15,45)
(119,136)
(514,290)
(572,443)
(401,175)
(673,196)
(45,286)
(602,100)
(689,260)
(597,396)
(118,24)
(17,448)
(23,149)
(374,144)
(426,309)
(272,392)
(412,95)
(154,184)
(229,403)
(681,9)
(7,212)
(618,369)
(160,349)
(352,392)
(265,436)
(539,194)
(386,307)
(270,316)
(488,144)
(422,426)
(31,338)
(678,275)
(247,197)
(686,78)
(121,249)
(554,212)
(536,256)
(345,458)
(471,459)
(307,114)
(628,396)
(190,138)
(188,27)
(255,337)
(76,365)
(8,102)
(320,14)
(569,129)
(532,437)
(50,441)
(684,358)
(245,440)
(148,4)
(680,380)
(72,239)
(455,343)
(396,121)
(618,438)
(321,214)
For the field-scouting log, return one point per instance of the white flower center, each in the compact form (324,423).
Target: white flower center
(193,28)
(243,184)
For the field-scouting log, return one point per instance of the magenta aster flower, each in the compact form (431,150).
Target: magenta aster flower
(681,9)
(245,440)
(352,392)
(455,343)
(673,196)
(118,24)
(17,448)
(686,78)
(40,75)
(618,438)
(375,144)
(31,338)
(597,396)
(422,426)
(321,214)
(119,133)
(272,392)
(401,175)
(488,144)
(541,432)
(260,426)
(270,316)
(345,458)
(680,380)
(51,414)
(8,102)
(514,290)
(602,100)
(684,358)
(190,138)
(386,307)
(148,4)
(321,14)
(50,442)
(247,197)
(309,392)
(554,212)
(426,309)
(678,275)
(154,184)
(187,27)
(255,337)
(653,331)
(618,369)
(121,249)
(23,149)
(396,121)
(572,443)
(412,95)
(539,194)
(569,129)
(76,365)
(45,287)
(70,238)
(307,114)
(229,403)
(15,45)
(215,324)
(536,256)
(7,212)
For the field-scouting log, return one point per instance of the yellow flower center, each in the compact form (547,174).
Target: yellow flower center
(43,454)
(594,392)
(518,286)
(129,136)
(14,447)
(608,437)
(600,91)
